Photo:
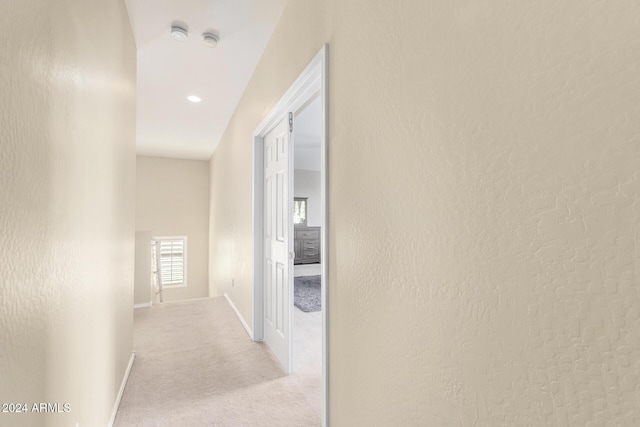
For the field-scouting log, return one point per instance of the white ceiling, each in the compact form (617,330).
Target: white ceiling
(168,70)
(307,131)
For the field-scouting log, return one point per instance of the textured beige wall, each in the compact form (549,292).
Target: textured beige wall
(172,199)
(67,167)
(484,191)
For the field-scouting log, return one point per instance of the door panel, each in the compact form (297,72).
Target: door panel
(277,287)
(280,288)
(268,201)
(268,291)
(280,209)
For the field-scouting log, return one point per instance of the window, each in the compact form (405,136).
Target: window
(173,260)
(300,211)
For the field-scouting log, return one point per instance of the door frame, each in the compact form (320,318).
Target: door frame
(313,81)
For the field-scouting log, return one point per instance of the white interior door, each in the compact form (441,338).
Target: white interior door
(278,260)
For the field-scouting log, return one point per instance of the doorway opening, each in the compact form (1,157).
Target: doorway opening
(307,262)
(277,251)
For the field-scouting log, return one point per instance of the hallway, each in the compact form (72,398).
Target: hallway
(196,366)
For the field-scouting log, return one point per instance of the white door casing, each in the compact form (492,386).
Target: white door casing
(277,260)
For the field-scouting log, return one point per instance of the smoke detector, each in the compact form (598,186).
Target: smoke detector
(179,33)
(210,39)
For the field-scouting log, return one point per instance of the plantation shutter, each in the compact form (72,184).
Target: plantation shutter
(172,261)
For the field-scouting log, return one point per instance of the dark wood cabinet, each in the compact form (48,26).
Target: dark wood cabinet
(306,245)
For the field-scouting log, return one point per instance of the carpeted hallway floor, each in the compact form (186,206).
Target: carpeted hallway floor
(196,366)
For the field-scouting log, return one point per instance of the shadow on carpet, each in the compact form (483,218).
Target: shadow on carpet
(306,293)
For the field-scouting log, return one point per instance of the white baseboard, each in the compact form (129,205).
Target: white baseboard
(122,386)
(182,301)
(307,270)
(143,305)
(244,324)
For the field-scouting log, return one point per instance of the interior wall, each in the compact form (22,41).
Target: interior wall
(67,161)
(307,184)
(172,199)
(142,282)
(484,213)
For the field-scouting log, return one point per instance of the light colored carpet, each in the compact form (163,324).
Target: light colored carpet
(196,366)
(307,355)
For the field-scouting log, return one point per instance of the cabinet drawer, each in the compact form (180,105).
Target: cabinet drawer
(310,244)
(310,253)
(308,234)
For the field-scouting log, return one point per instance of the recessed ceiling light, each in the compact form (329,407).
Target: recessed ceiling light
(179,33)
(194,98)
(210,39)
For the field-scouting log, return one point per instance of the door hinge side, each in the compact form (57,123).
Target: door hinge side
(290,122)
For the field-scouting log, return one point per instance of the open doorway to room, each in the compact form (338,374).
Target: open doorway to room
(307,268)
(282,249)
